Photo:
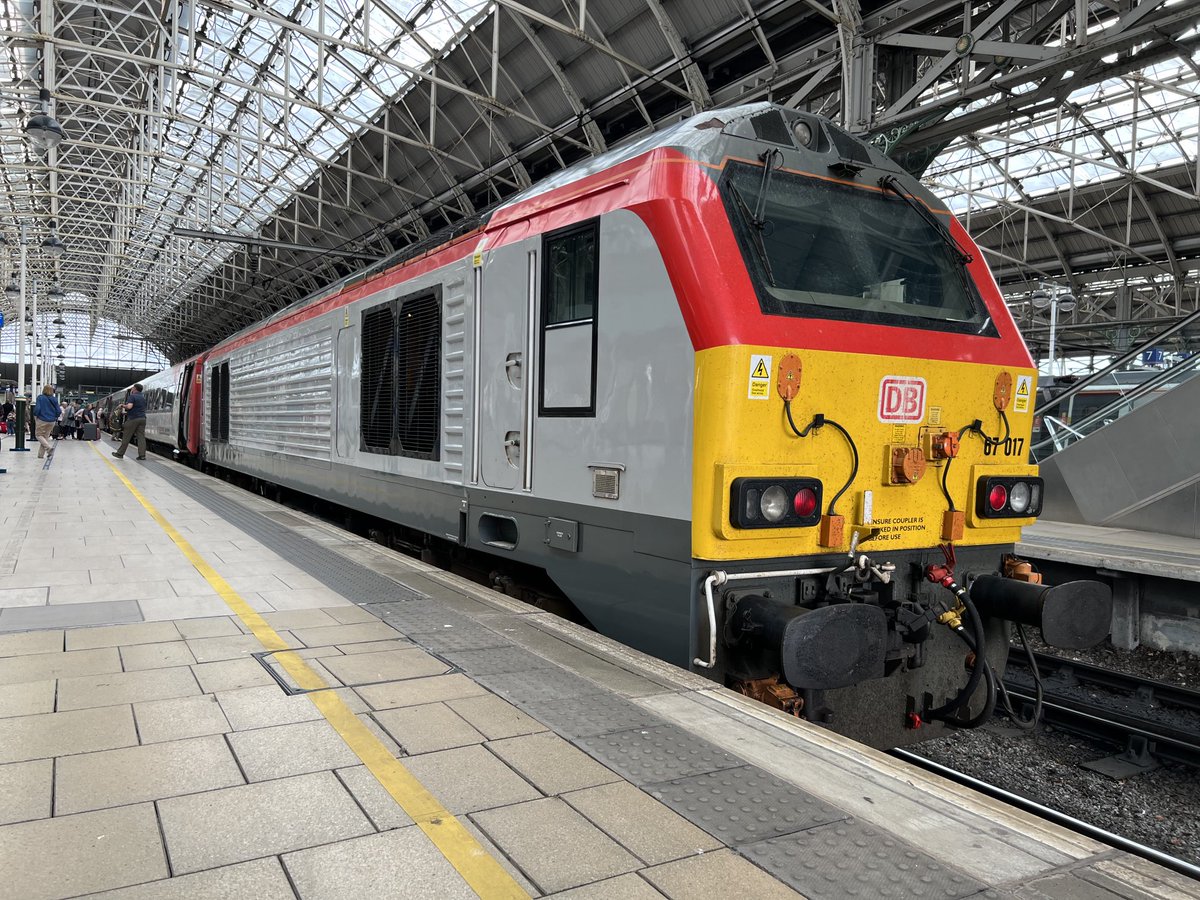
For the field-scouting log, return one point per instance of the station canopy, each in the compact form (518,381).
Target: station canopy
(205,163)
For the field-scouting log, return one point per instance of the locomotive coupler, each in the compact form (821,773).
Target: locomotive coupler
(1075,615)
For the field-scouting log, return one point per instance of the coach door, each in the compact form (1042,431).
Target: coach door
(184,394)
(505,298)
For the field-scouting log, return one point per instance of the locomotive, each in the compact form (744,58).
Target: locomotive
(744,391)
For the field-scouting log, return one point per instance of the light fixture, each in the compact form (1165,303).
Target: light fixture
(43,129)
(1040,298)
(60,346)
(56,294)
(1066,302)
(59,320)
(13,290)
(59,335)
(52,246)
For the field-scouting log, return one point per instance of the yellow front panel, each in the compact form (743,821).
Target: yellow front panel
(741,431)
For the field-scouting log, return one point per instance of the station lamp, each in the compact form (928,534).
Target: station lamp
(59,320)
(52,246)
(56,294)
(43,129)
(13,290)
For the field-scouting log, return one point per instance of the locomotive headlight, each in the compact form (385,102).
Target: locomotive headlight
(1019,496)
(774,503)
(803,132)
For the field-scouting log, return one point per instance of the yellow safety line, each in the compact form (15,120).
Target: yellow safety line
(477,867)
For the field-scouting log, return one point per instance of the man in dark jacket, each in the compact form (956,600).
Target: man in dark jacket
(135,423)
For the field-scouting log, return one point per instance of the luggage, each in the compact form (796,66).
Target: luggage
(90,431)
(58,431)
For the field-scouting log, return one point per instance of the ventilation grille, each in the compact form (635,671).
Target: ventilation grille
(419,367)
(377,394)
(606,483)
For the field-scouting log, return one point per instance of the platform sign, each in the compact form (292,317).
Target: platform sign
(760,377)
(1023,393)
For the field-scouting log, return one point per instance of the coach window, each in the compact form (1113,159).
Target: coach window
(400,390)
(570,289)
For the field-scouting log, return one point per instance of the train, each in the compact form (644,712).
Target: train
(743,392)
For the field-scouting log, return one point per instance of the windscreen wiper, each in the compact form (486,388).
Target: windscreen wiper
(889,183)
(760,212)
(756,230)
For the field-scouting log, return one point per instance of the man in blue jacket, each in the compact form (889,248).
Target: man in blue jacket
(46,412)
(135,423)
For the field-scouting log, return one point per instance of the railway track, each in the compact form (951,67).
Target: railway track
(1060,818)
(1150,719)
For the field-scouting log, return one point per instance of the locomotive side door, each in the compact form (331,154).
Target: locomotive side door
(509,284)
(183,404)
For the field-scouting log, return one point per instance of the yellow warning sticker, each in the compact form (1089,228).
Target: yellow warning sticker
(935,415)
(760,377)
(1023,394)
(899,434)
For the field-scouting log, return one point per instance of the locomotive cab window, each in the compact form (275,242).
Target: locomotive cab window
(400,386)
(823,249)
(570,291)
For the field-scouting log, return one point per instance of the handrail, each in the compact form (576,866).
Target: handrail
(1118,362)
(1128,397)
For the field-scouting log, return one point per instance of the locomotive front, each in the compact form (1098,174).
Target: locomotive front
(861,443)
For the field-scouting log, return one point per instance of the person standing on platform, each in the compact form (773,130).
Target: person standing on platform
(46,412)
(135,423)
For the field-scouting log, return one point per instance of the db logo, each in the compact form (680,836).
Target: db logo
(901,399)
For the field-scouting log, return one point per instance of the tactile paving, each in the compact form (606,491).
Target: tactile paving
(497,660)
(352,580)
(743,804)
(656,753)
(591,714)
(461,637)
(418,617)
(851,860)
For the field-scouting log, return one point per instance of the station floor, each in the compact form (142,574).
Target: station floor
(203,694)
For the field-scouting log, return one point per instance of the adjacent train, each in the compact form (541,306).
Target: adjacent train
(744,391)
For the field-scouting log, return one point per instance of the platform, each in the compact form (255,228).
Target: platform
(426,738)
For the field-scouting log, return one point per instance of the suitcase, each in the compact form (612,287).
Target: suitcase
(58,431)
(90,431)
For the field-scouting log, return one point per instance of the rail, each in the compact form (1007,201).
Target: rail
(1165,860)
(1139,713)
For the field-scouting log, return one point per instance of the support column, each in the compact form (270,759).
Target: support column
(1127,608)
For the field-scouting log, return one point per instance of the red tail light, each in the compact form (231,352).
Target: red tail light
(997,497)
(805,502)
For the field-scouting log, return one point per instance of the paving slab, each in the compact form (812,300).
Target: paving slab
(125,687)
(623,887)
(554,845)
(368,867)
(284,750)
(38,666)
(494,717)
(300,618)
(216,626)
(263,707)
(119,635)
(719,874)
(150,772)
(156,656)
(24,596)
(63,733)
(552,764)
(67,855)
(27,698)
(346,634)
(232,825)
(262,879)
(31,642)
(383,810)
(387,665)
(419,691)
(231,674)
(375,646)
(352,615)
(423,729)
(640,823)
(469,778)
(179,718)
(215,649)
(25,790)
